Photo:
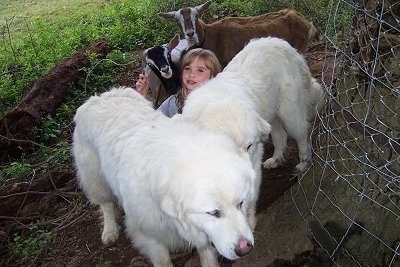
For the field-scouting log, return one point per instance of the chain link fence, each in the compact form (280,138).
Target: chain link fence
(350,198)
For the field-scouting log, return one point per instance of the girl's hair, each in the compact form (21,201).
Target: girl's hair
(210,61)
(208,57)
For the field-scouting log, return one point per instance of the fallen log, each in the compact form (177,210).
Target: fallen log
(42,98)
(27,198)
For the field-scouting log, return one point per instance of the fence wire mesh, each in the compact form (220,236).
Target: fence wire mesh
(349,198)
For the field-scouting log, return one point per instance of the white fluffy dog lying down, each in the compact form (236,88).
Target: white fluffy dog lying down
(180,186)
(268,82)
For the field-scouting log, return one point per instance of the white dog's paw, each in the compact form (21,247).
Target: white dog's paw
(109,236)
(301,166)
(251,218)
(208,257)
(273,163)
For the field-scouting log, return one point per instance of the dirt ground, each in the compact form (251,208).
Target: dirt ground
(77,228)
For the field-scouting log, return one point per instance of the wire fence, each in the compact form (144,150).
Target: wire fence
(350,198)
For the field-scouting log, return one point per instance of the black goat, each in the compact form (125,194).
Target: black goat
(166,68)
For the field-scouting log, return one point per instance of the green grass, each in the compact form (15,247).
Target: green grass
(35,36)
(18,15)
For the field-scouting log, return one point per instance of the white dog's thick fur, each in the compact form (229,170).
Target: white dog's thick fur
(266,84)
(180,186)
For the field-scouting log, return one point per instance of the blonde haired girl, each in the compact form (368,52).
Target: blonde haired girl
(198,66)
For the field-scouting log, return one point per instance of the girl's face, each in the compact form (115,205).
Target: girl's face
(195,74)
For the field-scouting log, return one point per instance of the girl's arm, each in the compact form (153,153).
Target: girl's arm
(168,107)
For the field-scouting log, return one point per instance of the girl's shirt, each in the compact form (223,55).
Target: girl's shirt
(169,107)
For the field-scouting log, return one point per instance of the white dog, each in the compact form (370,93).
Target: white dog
(266,89)
(180,186)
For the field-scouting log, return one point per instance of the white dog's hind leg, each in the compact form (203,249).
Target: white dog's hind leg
(279,140)
(111,229)
(304,153)
(299,132)
(208,257)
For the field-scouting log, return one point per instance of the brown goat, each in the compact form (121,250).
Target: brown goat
(229,35)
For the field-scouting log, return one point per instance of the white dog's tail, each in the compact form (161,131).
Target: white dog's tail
(318,95)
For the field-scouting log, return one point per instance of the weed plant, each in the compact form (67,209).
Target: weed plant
(28,250)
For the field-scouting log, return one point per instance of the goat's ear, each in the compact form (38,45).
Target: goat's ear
(203,8)
(173,42)
(167,15)
(144,54)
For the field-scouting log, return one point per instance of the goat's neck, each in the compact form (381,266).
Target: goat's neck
(201,31)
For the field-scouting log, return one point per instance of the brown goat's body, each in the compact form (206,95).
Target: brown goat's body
(228,36)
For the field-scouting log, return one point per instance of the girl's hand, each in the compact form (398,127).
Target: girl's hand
(142,84)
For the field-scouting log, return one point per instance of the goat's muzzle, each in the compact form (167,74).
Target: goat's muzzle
(190,33)
(192,38)
(166,72)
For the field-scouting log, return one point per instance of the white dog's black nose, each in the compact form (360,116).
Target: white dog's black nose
(243,247)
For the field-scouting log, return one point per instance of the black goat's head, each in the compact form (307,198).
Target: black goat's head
(158,58)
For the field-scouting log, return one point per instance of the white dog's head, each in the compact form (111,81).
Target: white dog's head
(233,115)
(209,194)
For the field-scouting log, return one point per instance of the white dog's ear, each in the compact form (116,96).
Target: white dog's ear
(168,206)
(265,129)
(174,209)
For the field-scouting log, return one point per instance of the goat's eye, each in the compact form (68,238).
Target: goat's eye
(240,205)
(248,147)
(215,213)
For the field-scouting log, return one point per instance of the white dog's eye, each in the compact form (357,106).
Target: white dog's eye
(248,147)
(240,204)
(215,213)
